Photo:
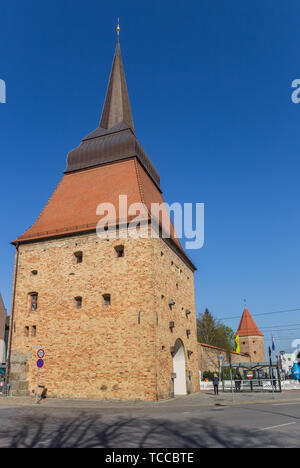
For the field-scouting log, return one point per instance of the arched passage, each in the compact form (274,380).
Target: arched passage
(179,368)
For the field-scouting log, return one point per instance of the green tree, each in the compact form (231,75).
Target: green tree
(212,332)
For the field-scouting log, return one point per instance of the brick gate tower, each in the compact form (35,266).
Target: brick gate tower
(251,339)
(115,316)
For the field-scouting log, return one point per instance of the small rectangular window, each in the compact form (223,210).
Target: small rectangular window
(26,331)
(33,330)
(78,301)
(119,250)
(78,257)
(106,298)
(33,302)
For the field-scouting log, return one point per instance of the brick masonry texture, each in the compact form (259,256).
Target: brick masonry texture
(102,351)
(2,318)
(174,280)
(254,345)
(209,358)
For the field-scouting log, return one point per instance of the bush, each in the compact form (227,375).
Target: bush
(209,375)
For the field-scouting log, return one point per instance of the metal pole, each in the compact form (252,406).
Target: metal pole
(271,370)
(279,379)
(222,376)
(231,377)
(37,387)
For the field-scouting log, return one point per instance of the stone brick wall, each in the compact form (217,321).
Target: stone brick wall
(120,351)
(2,318)
(18,373)
(174,280)
(209,358)
(255,346)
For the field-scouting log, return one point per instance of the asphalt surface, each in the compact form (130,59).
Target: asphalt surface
(170,424)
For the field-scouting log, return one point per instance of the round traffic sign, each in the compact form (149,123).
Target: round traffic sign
(41,353)
(40,363)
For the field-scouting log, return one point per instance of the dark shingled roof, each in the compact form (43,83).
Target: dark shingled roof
(116,106)
(114,139)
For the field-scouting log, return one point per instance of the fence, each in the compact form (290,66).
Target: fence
(253,385)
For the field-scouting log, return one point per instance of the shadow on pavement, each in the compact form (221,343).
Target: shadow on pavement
(85,431)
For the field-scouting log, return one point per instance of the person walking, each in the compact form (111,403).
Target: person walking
(216,384)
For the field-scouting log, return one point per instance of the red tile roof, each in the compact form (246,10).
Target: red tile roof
(72,207)
(221,349)
(247,325)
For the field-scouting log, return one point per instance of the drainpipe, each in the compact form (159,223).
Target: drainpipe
(11,326)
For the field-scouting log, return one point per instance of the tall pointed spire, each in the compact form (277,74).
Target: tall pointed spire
(247,325)
(114,139)
(116,107)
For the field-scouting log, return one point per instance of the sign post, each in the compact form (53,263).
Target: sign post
(250,376)
(221,372)
(231,378)
(40,364)
(271,371)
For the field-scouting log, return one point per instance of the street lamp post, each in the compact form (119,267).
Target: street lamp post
(271,370)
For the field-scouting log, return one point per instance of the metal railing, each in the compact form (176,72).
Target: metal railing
(253,385)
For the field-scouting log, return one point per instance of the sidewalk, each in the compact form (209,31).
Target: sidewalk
(250,398)
(201,399)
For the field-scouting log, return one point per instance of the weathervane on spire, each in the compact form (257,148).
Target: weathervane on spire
(118,28)
(245,303)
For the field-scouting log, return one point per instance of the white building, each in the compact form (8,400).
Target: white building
(288,360)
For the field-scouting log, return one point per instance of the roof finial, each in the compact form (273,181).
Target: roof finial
(118,29)
(245,304)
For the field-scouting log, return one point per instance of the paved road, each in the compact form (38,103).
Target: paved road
(177,424)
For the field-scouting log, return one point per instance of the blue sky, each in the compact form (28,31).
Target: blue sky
(210,88)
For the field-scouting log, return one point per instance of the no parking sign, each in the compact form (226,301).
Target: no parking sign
(40,363)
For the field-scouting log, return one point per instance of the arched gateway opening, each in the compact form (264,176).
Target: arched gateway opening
(179,368)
